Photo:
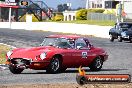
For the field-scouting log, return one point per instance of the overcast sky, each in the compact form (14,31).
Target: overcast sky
(74,3)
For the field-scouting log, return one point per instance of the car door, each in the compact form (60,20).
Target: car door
(83,52)
(68,52)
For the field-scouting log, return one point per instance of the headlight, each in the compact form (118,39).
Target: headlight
(9,53)
(42,56)
(124,34)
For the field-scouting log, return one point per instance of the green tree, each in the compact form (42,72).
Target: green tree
(81,14)
(60,8)
(65,7)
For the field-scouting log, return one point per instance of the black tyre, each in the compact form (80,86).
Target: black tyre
(96,64)
(55,66)
(111,38)
(15,70)
(119,39)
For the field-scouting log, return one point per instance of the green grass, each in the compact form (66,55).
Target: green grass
(3,50)
(91,22)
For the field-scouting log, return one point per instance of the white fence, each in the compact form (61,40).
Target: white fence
(101,16)
(84,29)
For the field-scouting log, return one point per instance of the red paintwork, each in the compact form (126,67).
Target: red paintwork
(8,6)
(70,57)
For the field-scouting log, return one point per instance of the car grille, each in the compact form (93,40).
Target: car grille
(20,61)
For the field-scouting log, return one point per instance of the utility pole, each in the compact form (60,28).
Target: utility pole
(119,12)
(87,4)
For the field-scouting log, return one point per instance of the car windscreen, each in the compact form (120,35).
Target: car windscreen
(126,25)
(58,42)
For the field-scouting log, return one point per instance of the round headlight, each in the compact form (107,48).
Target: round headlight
(123,34)
(9,53)
(42,56)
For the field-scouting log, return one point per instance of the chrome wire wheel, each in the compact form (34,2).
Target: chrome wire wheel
(55,64)
(98,63)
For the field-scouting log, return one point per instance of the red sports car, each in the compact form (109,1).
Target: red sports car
(57,53)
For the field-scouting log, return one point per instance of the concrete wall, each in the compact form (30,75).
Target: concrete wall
(84,29)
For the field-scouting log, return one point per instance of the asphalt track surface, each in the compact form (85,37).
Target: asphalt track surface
(119,62)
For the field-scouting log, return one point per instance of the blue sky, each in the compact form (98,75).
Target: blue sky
(54,3)
(75,3)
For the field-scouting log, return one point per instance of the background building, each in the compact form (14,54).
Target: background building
(112,6)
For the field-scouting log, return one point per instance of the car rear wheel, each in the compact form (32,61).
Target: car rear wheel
(119,39)
(15,70)
(111,38)
(55,66)
(96,64)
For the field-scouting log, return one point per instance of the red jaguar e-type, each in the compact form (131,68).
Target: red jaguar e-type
(57,53)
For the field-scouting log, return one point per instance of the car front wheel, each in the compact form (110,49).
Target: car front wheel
(96,64)
(111,38)
(55,66)
(119,39)
(15,70)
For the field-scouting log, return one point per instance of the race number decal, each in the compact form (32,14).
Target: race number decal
(84,54)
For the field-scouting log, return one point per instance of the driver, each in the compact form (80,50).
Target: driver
(72,43)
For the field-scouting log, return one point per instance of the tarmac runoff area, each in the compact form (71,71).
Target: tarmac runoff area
(119,63)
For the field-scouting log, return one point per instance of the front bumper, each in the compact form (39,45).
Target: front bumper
(28,63)
(127,37)
(39,65)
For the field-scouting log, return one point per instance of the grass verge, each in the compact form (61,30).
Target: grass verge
(3,50)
